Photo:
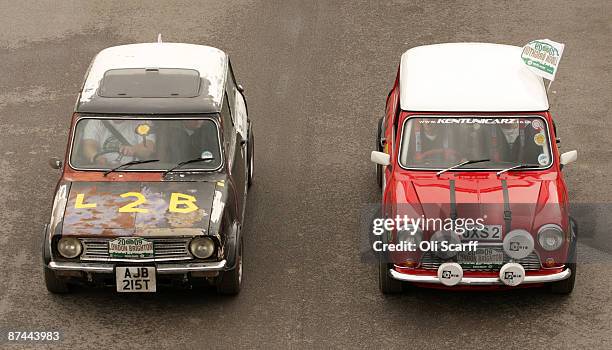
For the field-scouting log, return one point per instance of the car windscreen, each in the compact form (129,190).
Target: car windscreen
(438,142)
(102,143)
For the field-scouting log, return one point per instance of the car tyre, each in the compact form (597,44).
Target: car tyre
(566,286)
(230,281)
(386,283)
(54,284)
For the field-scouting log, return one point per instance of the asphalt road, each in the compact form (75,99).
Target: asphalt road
(316,77)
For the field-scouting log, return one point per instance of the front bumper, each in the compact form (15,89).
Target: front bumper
(480,281)
(165,268)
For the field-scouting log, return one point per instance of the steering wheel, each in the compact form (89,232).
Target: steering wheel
(99,154)
(440,151)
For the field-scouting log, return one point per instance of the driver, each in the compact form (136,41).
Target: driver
(435,143)
(432,137)
(115,141)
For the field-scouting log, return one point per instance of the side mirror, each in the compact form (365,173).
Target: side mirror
(381,158)
(240,88)
(569,157)
(55,163)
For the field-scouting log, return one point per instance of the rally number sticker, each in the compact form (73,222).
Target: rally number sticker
(179,203)
(133,206)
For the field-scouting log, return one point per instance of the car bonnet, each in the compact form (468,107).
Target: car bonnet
(529,201)
(145,209)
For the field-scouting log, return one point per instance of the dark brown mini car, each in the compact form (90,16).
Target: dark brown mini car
(154,182)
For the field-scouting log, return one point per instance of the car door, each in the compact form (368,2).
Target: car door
(235,148)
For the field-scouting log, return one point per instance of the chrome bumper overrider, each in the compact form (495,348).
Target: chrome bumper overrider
(480,281)
(160,268)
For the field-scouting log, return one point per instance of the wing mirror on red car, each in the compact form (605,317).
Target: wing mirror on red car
(381,158)
(568,157)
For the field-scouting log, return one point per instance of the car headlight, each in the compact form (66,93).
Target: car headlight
(410,235)
(202,247)
(550,237)
(69,247)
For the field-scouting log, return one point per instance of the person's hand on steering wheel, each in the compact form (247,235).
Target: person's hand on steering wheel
(98,159)
(127,150)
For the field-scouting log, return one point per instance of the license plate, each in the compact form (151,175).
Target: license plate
(488,233)
(130,247)
(135,279)
(481,258)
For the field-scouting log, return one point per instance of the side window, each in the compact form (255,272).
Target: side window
(229,137)
(239,113)
(230,88)
(391,120)
(226,116)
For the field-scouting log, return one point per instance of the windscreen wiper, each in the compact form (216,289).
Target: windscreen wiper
(461,164)
(134,162)
(515,167)
(195,160)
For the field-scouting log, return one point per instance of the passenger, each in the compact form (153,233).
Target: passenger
(196,138)
(515,144)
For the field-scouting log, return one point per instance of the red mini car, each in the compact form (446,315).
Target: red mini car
(467,137)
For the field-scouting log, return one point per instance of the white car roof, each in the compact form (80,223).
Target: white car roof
(211,63)
(469,77)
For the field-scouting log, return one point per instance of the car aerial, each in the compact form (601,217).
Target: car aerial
(154,182)
(467,134)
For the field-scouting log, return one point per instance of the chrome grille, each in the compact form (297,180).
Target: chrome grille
(164,249)
(532,262)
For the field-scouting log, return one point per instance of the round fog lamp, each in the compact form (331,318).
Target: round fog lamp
(512,274)
(518,244)
(202,247)
(441,250)
(69,247)
(450,274)
(550,237)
